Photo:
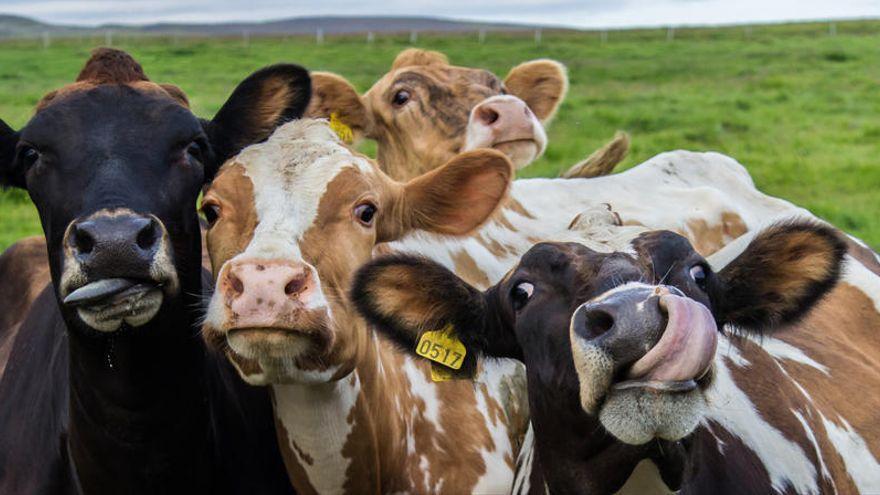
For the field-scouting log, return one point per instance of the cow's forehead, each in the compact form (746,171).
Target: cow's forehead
(290,173)
(437,76)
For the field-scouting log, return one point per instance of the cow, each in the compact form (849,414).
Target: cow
(425,110)
(108,387)
(291,219)
(627,391)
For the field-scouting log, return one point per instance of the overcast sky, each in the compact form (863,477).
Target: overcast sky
(583,13)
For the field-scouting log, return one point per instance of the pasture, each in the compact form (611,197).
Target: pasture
(798,106)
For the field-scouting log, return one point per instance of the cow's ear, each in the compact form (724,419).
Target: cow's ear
(266,99)
(781,275)
(453,199)
(10,175)
(542,84)
(404,296)
(335,98)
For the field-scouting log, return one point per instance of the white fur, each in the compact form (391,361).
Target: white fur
(316,420)
(861,464)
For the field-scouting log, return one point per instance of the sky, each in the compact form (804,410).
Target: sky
(583,13)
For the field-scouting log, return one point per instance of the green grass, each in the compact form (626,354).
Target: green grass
(799,108)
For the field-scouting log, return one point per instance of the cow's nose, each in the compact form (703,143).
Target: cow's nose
(126,242)
(626,324)
(505,115)
(258,289)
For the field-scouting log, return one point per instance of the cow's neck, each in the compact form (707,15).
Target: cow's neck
(138,412)
(386,427)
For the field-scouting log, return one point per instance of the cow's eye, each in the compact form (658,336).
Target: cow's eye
(211,212)
(29,156)
(194,150)
(365,213)
(520,294)
(698,274)
(400,98)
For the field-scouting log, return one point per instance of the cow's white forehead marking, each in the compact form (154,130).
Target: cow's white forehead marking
(290,173)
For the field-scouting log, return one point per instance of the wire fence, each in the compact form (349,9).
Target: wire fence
(110,37)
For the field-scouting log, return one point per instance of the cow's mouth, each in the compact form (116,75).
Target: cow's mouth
(280,342)
(681,359)
(520,151)
(106,304)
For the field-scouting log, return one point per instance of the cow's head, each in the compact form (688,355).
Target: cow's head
(114,164)
(624,339)
(291,220)
(425,110)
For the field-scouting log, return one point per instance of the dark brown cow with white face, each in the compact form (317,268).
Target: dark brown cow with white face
(626,389)
(425,110)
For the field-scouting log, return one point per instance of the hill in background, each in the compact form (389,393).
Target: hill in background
(16,26)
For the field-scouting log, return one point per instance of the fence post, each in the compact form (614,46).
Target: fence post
(537,36)
(413,37)
(246,38)
(603,36)
(832,29)
(670,33)
(748,32)
(319,36)
(482,36)
(108,38)
(370,37)
(46,40)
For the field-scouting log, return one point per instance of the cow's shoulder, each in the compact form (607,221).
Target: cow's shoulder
(34,393)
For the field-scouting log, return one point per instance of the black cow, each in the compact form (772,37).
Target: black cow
(109,387)
(620,351)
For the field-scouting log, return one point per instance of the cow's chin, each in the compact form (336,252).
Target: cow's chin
(520,151)
(637,412)
(134,311)
(265,355)
(638,415)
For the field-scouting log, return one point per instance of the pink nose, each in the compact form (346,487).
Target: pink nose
(509,119)
(261,293)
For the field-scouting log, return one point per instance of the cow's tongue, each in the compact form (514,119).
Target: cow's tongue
(103,291)
(684,352)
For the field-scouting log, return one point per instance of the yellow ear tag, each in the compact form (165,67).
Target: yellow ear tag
(341,129)
(441,346)
(440,373)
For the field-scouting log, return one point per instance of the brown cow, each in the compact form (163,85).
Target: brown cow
(425,110)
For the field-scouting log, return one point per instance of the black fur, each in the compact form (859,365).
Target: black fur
(10,176)
(746,296)
(238,111)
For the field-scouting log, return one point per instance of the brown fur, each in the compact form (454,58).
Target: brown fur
(542,84)
(25,270)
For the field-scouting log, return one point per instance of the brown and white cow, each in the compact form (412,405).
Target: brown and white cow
(306,212)
(424,111)
(627,392)
(291,219)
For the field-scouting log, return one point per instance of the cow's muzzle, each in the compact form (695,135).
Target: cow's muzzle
(117,269)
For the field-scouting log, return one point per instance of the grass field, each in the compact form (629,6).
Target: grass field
(799,107)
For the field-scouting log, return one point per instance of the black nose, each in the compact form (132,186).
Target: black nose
(116,245)
(626,324)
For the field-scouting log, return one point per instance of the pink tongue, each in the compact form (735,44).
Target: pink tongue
(687,346)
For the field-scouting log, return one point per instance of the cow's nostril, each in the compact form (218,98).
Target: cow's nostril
(597,322)
(295,286)
(489,116)
(147,236)
(83,241)
(235,284)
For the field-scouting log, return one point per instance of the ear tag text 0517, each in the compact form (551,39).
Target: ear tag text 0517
(443,347)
